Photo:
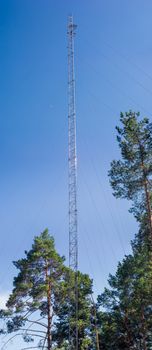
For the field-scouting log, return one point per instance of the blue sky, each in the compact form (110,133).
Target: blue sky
(113,55)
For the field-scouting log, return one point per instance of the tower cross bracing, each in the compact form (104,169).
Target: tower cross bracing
(72,161)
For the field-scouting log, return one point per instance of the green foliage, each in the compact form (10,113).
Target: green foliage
(128,176)
(125,308)
(84,311)
(41,266)
(36,291)
(39,303)
(122,316)
(126,319)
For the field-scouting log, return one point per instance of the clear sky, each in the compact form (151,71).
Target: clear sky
(113,55)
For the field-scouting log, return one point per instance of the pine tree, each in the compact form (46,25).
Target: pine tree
(85,330)
(126,316)
(131,177)
(39,304)
(126,321)
(36,292)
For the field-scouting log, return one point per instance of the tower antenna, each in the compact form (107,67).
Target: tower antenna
(72,161)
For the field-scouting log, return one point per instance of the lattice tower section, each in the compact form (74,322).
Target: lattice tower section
(72,160)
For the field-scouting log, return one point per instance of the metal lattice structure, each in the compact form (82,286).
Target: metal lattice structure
(72,159)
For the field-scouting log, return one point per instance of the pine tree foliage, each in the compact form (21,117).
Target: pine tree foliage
(126,321)
(125,307)
(38,307)
(84,312)
(36,291)
(131,177)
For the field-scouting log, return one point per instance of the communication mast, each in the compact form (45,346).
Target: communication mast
(72,161)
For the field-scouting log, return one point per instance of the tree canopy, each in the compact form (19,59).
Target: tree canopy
(39,305)
(125,307)
(131,176)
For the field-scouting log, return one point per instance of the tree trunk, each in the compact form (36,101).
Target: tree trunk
(129,336)
(144,343)
(147,194)
(148,206)
(49,315)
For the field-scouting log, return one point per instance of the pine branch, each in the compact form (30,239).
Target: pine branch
(36,322)
(44,342)
(21,334)
(32,347)
(32,330)
(34,335)
(14,336)
(42,318)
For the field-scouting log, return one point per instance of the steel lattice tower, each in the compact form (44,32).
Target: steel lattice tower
(72,159)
